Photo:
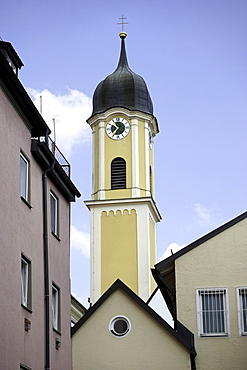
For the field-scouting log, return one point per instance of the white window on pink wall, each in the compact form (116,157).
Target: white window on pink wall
(54,213)
(55,307)
(24,177)
(25,282)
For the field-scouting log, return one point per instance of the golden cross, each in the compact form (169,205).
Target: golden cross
(122,23)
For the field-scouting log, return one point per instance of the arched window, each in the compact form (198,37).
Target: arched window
(118,173)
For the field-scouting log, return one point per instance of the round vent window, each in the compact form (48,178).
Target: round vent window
(119,326)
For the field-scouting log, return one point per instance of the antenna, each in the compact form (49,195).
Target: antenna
(40,104)
(54,125)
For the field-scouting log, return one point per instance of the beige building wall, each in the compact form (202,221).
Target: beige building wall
(147,346)
(220,262)
(22,233)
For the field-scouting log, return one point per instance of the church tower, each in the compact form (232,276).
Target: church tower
(123,210)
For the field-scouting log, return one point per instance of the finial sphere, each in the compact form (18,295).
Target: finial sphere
(123,35)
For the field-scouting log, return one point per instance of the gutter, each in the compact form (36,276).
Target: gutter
(46,267)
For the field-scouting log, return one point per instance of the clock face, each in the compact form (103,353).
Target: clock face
(117,128)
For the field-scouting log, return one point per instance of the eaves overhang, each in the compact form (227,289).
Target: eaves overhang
(162,266)
(167,289)
(18,96)
(8,49)
(45,158)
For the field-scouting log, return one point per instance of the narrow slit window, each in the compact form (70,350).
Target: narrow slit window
(25,282)
(54,213)
(24,177)
(118,173)
(55,307)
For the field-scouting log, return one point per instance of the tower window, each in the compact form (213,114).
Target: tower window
(118,173)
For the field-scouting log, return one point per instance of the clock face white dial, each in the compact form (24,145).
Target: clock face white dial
(117,128)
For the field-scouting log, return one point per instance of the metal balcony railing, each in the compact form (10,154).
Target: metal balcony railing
(59,156)
(56,153)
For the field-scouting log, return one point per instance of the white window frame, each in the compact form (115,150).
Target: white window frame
(112,328)
(23,367)
(223,311)
(54,213)
(55,307)
(25,282)
(24,177)
(242,310)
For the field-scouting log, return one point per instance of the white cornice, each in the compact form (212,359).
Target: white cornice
(126,202)
(105,116)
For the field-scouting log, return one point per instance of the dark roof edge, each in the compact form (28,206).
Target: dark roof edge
(119,284)
(201,240)
(45,158)
(21,100)
(5,45)
(165,290)
(73,298)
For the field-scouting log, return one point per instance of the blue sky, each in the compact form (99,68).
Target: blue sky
(192,54)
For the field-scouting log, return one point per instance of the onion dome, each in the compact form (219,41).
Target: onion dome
(123,88)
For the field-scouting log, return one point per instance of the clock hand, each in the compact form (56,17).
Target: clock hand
(114,131)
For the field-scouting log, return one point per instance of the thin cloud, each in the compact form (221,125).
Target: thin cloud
(80,240)
(70,112)
(206,216)
(203,213)
(171,249)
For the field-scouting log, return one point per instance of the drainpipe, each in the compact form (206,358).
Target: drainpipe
(46,267)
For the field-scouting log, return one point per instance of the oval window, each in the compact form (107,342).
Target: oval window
(119,326)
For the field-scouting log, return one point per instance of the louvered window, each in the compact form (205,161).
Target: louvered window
(118,173)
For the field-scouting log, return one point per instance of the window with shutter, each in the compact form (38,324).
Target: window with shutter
(118,173)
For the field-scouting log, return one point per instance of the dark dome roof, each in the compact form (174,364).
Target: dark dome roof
(123,88)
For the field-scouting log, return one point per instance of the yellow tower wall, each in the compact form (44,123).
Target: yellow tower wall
(152,250)
(123,221)
(119,249)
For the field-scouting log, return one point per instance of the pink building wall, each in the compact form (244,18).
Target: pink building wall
(22,232)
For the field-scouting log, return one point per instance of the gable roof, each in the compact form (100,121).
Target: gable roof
(188,344)
(164,271)
(167,261)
